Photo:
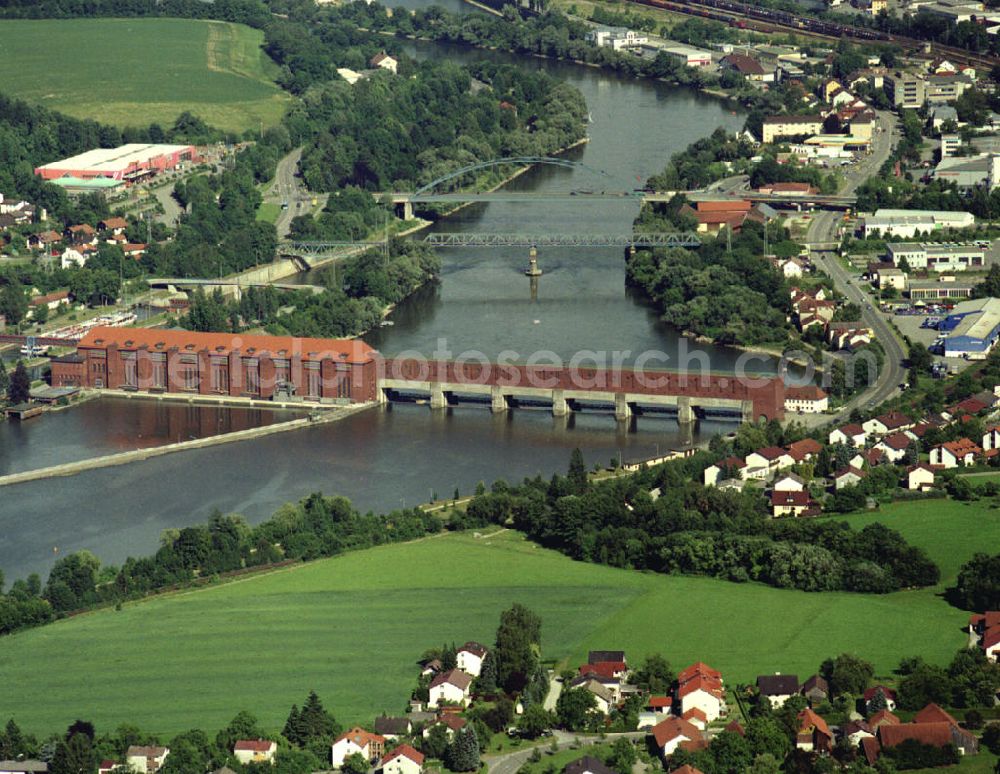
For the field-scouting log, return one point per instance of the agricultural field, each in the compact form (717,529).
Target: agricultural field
(133,72)
(352,628)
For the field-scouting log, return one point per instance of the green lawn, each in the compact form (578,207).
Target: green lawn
(268,212)
(132,72)
(352,628)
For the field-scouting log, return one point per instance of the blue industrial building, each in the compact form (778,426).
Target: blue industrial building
(973,328)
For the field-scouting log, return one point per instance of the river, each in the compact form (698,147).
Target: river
(403,454)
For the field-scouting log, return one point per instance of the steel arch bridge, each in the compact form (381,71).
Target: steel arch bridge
(515,160)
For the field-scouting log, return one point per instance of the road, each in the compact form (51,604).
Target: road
(509,763)
(823,228)
(287,188)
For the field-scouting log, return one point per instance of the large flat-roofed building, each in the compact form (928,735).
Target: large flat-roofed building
(905,90)
(775,127)
(909,223)
(937,289)
(221,364)
(937,257)
(127,162)
(972,328)
(688,56)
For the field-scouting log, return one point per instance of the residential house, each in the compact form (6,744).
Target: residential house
(402,760)
(713,216)
(701,686)
(393,728)
(746,66)
(82,234)
(146,759)
(954,454)
(384,62)
(894,446)
(674,733)
(588,764)
(596,656)
(469,658)
(451,687)
(790,504)
(887,693)
(696,717)
(816,690)
(605,670)
(848,335)
(813,734)
(882,718)
(773,458)
(604,697)
(887,423)
(790,268)
(991,438)
(920,477)
(805,450)
(44,239)
(115,225)
(856,730)
(431,667)
(451,723)
(849,476)
(849,435)
(789,482)
(356,741)
(931,726)
(106,766)
(255,751)
(730,467)
(50,301)
(661,705)
(807,399)
(777,688)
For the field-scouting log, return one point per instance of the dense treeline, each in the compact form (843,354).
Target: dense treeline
(693,529)
(356,296)
(732,296)
(314,527)
(249,12)
(978,585)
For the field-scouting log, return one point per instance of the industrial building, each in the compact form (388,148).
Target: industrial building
(127,163)
(221,364)
(939,289)
(938,257)
(910,223)
(972,328)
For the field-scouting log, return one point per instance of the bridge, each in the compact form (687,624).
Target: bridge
(226,283)
(565,389)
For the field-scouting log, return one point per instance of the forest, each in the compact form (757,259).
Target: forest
(699,530)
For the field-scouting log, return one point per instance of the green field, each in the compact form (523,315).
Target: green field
(352,628)
(133,72)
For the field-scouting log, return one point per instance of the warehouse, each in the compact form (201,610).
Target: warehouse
(938,257)
(972,328)
(221,364)
(909,223)
(939,289)
(127,162)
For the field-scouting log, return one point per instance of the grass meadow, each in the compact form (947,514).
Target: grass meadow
(133,72)
(353,626)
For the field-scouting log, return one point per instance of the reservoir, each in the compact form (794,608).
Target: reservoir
(403,454)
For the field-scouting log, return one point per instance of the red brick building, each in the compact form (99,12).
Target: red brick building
(238,365)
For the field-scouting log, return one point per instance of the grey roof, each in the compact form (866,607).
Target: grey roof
(26,766)
(778,685)
(596,656)
(392,726)
(588,764)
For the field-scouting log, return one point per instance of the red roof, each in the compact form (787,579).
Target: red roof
(698,668)
(871,749)
(606,669)
(406,751)
(728,205)
(659,702)
(991,637)
(744,64)
(707,683)
(735,727)
(789,498)
(731,462)
(360,737)
(253,745)
(454,722)
(804,448)
(687,768)
(771,453)
(936,734)
(894,420)
(809,720)
(882,717)
(672,728)
(455,677)
(158,339)
(932,713)
(474,648)
(852,430)
(962,447)
(696,712)
(805,392)
(869,693)
(897,441)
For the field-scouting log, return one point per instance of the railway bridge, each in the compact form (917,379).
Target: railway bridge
(564,389)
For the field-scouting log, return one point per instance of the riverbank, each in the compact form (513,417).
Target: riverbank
(329,414)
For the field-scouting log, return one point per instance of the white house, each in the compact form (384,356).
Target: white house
(991,438)
(789,482)
(673,733)
(146,759)
(451,687)
(849,435)
(385,62)
(887,423)
(73,256)
(791,268)
(808,399)
(403,760)
(603,696)
(954,454)
(920,477)
(771,458)
(894,446)
(703,693)
(991,644)
(451,723)
(470,658)
(255,751)
(735,466)
(357,741)
(778,688)
(848,476)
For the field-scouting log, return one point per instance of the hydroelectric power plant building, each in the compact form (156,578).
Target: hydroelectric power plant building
(221,364)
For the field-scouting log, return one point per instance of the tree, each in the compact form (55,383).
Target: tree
(534,721)
(463,752)
(40,314)
(20,384)
(75,756)
(486,683)
(13,304)
(311,723)
(435,744)
(978,585)
(655,675)
(518,647)
(575,708)
(4,380)
(766,737)
(243,726)
(355,764)
(847,674)
(623,756)
(577,472)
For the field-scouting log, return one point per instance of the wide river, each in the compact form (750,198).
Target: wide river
(400,455)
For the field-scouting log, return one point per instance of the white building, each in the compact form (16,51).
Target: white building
(688,55)
(469,658)
(357,741)
(403,760)
(145,759)
(910,223)
(616,38)
(938,257)
(255,751)
(807,399)
(451,687)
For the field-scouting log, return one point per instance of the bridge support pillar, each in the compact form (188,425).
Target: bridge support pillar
(685,413)
(438,399)
(746,411)
(381,396)
(560,407)
(623,410)
(498,401)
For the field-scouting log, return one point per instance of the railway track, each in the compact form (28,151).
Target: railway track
(747,16)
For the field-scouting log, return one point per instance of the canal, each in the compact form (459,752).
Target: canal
(403,454)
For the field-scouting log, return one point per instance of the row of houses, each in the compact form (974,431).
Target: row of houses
(812,309)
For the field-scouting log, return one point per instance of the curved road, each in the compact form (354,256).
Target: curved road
(509,763)
(823,228)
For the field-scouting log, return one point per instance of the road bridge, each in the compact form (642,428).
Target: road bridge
(226,283)
(565,389)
